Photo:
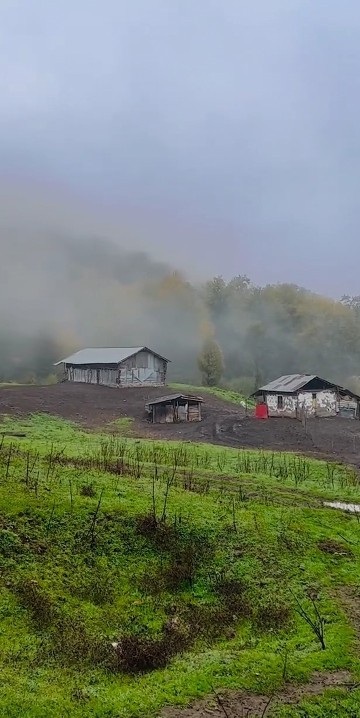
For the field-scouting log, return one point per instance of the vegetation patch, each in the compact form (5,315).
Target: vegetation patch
(234,397)
(136,574)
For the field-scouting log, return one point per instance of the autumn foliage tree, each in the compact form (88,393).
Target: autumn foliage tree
(211,363)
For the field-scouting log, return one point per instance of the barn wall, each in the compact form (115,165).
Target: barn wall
(108,377)
(84,375)
(144,369)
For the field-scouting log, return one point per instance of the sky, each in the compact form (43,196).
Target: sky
(221,135)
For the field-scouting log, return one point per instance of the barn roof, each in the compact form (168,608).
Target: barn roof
(174,397)
(105,355)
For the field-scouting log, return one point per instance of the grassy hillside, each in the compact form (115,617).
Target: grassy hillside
(232,396)
(196,562)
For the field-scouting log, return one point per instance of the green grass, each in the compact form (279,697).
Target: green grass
(190,552)
(232,396)
(122,425)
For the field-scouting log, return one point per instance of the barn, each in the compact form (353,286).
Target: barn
(174,408)
(299,395)
(117,367)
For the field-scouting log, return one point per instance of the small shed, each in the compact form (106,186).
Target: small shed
(116,366)
(174,408)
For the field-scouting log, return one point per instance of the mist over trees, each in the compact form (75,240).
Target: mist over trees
(72,293)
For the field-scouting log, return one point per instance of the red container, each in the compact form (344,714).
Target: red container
(261,411)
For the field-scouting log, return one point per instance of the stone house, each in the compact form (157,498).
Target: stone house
(307,395)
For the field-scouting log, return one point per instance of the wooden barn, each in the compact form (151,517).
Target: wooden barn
(174,408)
(117,367)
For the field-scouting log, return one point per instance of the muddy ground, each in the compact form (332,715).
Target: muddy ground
(223,423)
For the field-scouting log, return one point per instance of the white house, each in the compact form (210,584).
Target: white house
(299,395)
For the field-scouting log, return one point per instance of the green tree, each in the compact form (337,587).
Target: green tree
(216,296)
(211,363)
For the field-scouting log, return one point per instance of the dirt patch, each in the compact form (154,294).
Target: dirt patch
(238,705)
(335,548)
(95,407)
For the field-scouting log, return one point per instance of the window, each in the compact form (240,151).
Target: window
(314,398)
(280,402)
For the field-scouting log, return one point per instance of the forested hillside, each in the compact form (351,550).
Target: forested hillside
(76,293)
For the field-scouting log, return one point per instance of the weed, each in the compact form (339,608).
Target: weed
(88,490)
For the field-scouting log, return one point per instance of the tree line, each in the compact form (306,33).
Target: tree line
(232,333)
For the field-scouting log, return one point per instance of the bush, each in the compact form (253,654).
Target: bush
(141,653)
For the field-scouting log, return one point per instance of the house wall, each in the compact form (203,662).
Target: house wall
(289,405)
(294,406)
(325,403)
(348,407)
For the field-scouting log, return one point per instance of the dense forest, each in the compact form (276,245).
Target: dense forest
(89,292)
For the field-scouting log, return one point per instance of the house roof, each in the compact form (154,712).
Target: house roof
(291,383)
(105,355)
(288,383)
(174,397)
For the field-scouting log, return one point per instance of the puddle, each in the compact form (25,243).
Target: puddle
(352,508)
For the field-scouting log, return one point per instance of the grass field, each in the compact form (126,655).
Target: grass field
(197,562)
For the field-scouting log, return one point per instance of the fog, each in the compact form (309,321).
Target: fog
(67,281)
(207,138)
(229,129)
(70,279)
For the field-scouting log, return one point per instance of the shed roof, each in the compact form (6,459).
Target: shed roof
(174,397)
(105,355)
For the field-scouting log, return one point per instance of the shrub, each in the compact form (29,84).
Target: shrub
(141,653)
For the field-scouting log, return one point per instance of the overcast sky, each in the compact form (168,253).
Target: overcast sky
(226,131)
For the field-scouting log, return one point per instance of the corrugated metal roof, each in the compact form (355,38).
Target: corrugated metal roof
(288,383)
(173,397)
(291,383)
(104,355)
